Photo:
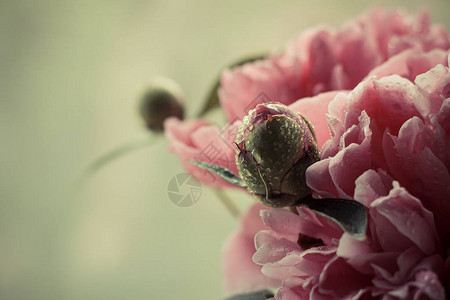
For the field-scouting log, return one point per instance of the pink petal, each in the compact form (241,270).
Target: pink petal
(290,225)
(429,85)
(410,63)
(314,109)
(288,294)
(372,185)
(408,215)
(357,52)
(267,80)
(196,140)
(241,274)
(349,247)
(319,179)
(351,161)
(339,279)
(396,98)
(429,285)
(274,251)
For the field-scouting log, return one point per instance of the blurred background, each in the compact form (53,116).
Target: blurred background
(71,73)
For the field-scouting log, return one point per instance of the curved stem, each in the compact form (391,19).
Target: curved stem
(117,153)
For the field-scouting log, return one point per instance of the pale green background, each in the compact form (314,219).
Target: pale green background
(70,76)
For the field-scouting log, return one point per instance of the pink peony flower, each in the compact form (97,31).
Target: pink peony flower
(377,92)
(398,126)
(323,59)
(389,151)
(319,60)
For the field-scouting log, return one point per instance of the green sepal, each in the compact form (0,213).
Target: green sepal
(222,172)
(256,295)
(350,215)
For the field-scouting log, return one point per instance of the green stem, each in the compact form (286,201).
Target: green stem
(228,203)
(117,153)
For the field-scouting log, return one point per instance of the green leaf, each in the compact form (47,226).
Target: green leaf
(222,172)
(350,215)
(212,100)
(257,295)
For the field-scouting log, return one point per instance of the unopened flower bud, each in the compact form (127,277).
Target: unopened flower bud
(162,99)
(275,147)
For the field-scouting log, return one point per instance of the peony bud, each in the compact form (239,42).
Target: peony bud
(162,99)
(275,147)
